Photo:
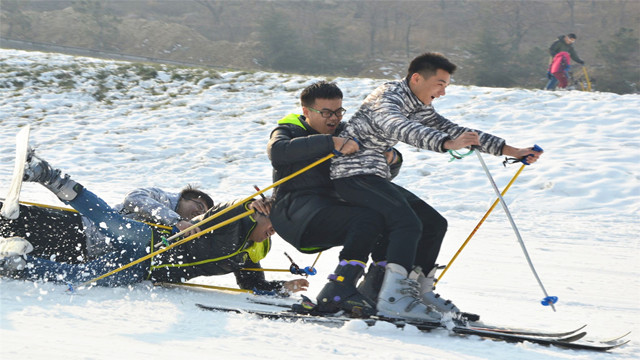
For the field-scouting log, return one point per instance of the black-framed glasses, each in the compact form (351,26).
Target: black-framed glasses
(326,113)
(200,206)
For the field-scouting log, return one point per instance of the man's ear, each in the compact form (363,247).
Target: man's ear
(305,111)
(414,78)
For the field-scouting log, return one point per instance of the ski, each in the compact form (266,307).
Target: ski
(568,341)
(526,332)
(11,206)
(474,325)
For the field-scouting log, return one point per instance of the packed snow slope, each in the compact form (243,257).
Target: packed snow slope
(116,126)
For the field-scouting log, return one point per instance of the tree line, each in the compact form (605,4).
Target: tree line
(495,42)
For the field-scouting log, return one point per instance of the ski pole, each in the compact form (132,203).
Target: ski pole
(486,215)
(316,260)
(548,300)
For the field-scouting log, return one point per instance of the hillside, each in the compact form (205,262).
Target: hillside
(496,43)
(115,126)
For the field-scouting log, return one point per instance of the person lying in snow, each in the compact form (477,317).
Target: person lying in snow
(240,244)
(70,237)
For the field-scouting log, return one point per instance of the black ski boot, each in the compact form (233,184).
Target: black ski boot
(340,292)
(38,170)
(372,282)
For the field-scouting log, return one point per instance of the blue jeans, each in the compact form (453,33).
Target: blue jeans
(130,238)
(551,85)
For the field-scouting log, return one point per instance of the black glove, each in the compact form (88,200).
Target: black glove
(580,62)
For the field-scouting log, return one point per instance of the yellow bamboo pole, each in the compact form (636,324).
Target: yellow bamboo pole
(179,242)
(287,178)
(212,287)
(49,206)
(217,226)
(261,269)
(586,76)
(316,260)
(495,203)
(54,207)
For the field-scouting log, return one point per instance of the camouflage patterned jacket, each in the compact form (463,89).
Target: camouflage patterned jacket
(392,114)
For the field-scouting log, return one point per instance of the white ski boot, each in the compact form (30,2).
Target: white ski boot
(400,297)
(429,297)
(11,251)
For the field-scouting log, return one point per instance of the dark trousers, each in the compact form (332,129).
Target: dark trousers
(357,229)
(414,229)
(131,239)
(56,234)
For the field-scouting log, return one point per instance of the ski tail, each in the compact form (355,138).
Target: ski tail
(11,207)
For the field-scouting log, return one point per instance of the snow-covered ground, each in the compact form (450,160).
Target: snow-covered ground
(577,210)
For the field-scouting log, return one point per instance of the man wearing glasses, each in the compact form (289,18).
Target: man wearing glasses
(307,212)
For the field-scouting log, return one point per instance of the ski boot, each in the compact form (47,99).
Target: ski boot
(340,292)
(431,298)
(400,297)
(11,251)
(372,281)
(38,170)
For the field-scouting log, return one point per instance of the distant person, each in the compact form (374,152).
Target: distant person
(564,43)
(559,71)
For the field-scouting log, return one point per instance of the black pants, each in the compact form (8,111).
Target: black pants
(55,234)
(415,230)
(357,229)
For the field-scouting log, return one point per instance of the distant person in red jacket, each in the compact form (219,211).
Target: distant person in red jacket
(559,71)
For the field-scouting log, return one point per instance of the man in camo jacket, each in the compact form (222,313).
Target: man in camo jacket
(401,111)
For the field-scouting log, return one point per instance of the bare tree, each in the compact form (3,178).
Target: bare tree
(214,7)
(572,20)
(12,14)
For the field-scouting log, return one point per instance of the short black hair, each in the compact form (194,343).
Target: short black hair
(190,192)
(319,90)
(428,64)
(572,36)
